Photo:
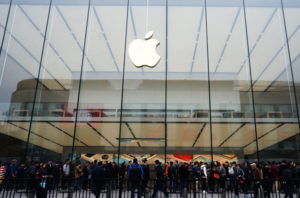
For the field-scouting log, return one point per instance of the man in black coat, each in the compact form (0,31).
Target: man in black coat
(288,181)
(159,182)
(98,177)
(146,170)
(184,177)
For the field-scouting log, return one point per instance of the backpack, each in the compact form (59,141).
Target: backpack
(230,171)
(135,173)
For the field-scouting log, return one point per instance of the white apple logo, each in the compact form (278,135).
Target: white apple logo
(143,52)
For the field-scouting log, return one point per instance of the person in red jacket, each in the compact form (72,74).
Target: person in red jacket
(2,173)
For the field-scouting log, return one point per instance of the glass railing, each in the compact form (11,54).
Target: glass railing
(175,111)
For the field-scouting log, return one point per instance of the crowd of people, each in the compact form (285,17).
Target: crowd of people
(138,178)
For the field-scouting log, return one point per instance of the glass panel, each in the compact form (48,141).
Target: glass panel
(101,85)
(292,18)
(57,93)
(4,6)
(187,101)
(272,83)
(19,65)
(231,103)
(143,113)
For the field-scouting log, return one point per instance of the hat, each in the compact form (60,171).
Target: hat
(253,164)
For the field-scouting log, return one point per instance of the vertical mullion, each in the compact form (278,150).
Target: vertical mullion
(166,84)
(251,81)
(208,84)
(292,73)
(37,81)
(123,81)
(80,78)
(5,28)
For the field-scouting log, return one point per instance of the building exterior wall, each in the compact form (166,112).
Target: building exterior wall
(227,85)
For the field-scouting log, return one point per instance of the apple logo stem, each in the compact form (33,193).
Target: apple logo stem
(142,52)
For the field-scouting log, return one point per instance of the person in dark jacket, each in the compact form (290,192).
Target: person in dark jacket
(184,177)
(240,180)
(20,175)
(11,173)
(57,173)
(50,172)
(98,178)
(42,183)
(135,175)
(31,175)
(146,178)
(85,175)
(196,176)
(114,175)
(122,172)
(172,174)
(288,181)
(297,176)
(159,181)
(267,180)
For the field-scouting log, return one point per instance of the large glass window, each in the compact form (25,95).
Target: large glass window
(19,66)
(292,16)
(143,113)
(98,119)
(57,91)
(226,86)
(233,128)
(4,8)
(271,78)
(188,128)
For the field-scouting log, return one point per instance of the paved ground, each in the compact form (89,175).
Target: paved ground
(126,194)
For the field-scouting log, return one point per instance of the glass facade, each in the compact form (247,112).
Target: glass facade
(227,86)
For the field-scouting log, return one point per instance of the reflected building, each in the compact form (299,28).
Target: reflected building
(227,86)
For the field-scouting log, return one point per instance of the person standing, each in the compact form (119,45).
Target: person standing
(57,173)
(239,181)
(222,173)
(267,180)
(231,175)
(184,177)
(78,175)
(41,179)
(203,170)
(98,179)
(172,174)
(288,181)
(66,174)
(20,176)
(135,175)
(50,172)
(128,181)
(196,176)
(248,177)
(122,172)
(11,173)
(114,175)
(159,181)
(256,179)
(2,174)
(146,178)
(85,175)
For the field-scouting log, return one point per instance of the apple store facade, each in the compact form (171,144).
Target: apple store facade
(203,79)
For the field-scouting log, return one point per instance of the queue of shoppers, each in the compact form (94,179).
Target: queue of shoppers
(140,178)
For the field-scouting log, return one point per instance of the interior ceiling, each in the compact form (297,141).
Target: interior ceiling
(55,135)
(227,44)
